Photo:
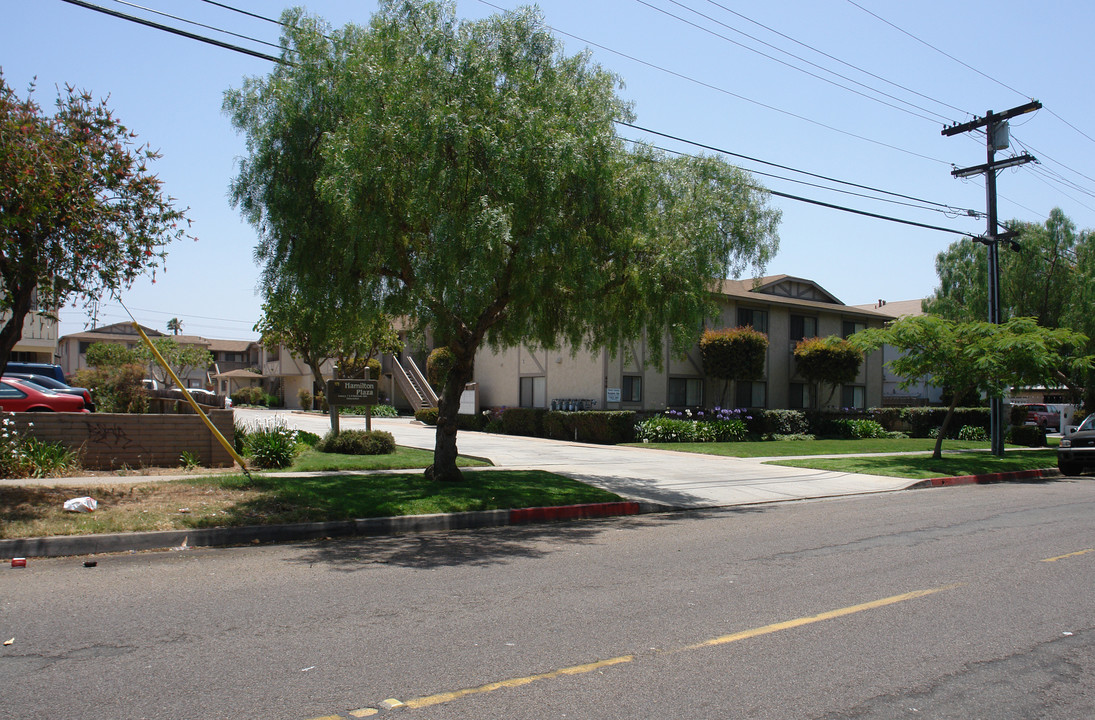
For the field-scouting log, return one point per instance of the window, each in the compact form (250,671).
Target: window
(758,319)
(685,392)
(853,396)
(10,392)
(751,394)
(632,390)
(851,327)
(533,392)
(803,326)
(803,396)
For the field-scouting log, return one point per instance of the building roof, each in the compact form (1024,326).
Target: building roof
(230,345)
(239,373)
(793,292)
(896,309)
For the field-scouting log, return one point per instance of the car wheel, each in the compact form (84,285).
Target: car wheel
(40,409)
(1069,468)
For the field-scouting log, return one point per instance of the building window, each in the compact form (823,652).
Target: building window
(853,396)
(851,327)
(803,396)
(751,394)
(533,392)
(632,390)
(757,319)
(685,392)
(803,326)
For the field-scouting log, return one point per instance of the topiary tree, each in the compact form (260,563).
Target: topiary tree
(733,354)
(831,360)
(439,365)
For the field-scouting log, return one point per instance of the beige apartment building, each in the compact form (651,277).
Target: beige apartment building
(785,308)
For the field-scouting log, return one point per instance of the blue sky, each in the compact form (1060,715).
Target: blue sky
(684,80)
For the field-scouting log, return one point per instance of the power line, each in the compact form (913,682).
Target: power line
(797,57)
(198,24)
(174,31)
(836,59)
(724,91)
(946,208)
(842,208)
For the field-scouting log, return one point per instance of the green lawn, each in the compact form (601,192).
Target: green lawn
(404,458)
(924,467)
(283,499)
(783,448)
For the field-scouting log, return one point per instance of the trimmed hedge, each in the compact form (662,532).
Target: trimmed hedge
(591,426)
(426,416)
(922,420)
(523,421)
(1029,435)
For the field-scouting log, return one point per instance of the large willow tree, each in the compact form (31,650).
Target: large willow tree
(467,176)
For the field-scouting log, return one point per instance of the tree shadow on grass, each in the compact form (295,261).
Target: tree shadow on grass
(485,546)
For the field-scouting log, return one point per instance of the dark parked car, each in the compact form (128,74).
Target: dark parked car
(53,371)
(22,396)
(1077,450)
(56,386)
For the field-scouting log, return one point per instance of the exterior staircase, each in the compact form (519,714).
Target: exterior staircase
(412,383)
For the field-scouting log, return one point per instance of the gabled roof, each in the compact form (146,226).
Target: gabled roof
(896,309)
(790,291)
(230,345)
(121,331)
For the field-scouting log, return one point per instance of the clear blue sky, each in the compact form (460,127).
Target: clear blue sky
(684,80)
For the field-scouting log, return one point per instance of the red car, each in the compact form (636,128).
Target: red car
(18,396)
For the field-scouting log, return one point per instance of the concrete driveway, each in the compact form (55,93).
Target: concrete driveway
(683,480)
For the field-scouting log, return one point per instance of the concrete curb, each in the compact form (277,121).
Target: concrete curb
(63,545)
(988,478)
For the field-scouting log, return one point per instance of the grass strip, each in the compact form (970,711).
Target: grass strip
(404,458)
(234,501)
(783,448)
(923,467)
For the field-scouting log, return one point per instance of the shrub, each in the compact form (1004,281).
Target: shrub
(922,420)
(779,422)
(863,429)
(28,456)
(797,437)
(272,445)
(426,416)
(1028,435)
(605,428)
(358,442)
(673,429)
(307,438)
(973,432)
(305,398)
(523,421)
(384,411)
(251,395)
(116,389)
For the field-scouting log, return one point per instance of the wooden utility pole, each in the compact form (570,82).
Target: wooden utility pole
(996,134)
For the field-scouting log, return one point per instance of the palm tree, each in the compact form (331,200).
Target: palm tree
(174,325)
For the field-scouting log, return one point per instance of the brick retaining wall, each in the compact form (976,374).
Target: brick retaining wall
(108,441)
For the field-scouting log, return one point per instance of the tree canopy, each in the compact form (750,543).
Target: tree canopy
(981,356)
(831,360)
(80,212)
(1051,278)
(733,354)
(467,176)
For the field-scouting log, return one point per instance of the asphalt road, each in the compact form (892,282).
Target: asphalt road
(970,602)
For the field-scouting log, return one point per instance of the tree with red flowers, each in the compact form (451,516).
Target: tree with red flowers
(80,213)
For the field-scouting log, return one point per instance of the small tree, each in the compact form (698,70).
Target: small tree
(80,213)
(174,326)
(183,359)
(831,360)
(733,354)
(975,355)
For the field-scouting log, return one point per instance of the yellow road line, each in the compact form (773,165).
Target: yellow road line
(440,698)
(1071,554)
(831,614)
(515,682)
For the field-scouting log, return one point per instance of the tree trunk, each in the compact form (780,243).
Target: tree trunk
(448,406)
(12,331)
(938,454)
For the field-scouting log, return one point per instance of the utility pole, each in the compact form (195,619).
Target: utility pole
(996,134)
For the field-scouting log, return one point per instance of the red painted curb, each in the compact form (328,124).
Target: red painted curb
(572,512)
(991,477)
